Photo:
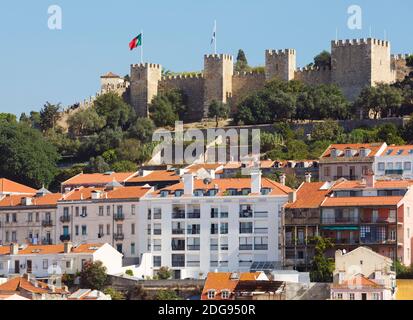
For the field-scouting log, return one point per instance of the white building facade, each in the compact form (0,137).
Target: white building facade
(395,161)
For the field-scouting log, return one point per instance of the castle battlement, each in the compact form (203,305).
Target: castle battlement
(249,74)
(218,57)
(183,76)
(313,69)
(146,65)
(283,52)
(401,56)
(359,42)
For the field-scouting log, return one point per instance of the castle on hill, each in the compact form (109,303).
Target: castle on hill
(355,64)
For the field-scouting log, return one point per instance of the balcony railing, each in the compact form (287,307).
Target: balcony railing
(213,247)
(261,214)
(47,241)
(350,220)
(377,220)
(64,218)
(178,247)
(178,231)
(65,237)
(245,230)
(193,231)
(346,241)
(178,215)
(192,263)
(157,232)
(245,246)
(261,230)
(394,171)
(261,246)
(245,214)
(193,247)
(47,223)
(118,236)
(193,215)
(119,217)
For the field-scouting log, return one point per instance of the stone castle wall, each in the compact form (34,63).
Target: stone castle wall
(313,76)
(244,83)
(398,62)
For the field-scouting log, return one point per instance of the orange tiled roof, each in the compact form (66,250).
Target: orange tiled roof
(82,193)
(361,201)
(193,168)
(16,200)
(53,249)
(373,147)
(98,178)
(234,183)
(17,283)
(359,281)
(379,184)
(110,75)
(309,195)
(220,281)
(394,151)
(8,186)
(157,175)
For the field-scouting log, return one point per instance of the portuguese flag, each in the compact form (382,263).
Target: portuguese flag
(136,42)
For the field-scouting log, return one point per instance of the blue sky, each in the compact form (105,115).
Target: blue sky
(39,65)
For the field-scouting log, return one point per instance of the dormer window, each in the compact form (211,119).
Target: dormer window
(232,192)
(225,294)
(199,193)
(333,152)
(211,294)
(212,192)
(164,193)
(246,191)
(364,152)
(265,191)
(348,153)
(179,193)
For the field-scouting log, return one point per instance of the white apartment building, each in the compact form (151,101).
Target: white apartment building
(102,215)
(43,261)
(29,218)
(396,161)
(200,226)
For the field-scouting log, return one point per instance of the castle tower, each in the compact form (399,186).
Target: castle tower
(280,64)
(144,86)
(218,73)
(359,63)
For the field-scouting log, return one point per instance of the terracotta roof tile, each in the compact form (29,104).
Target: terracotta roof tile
(16,200)
(98,178)
(82,193)
(155,176)
(361,201)
(53,249)
(309,196)
(359,281)
(398,151)
(373,147)
(8,186)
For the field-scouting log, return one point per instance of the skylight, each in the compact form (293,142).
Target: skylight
(400,152)
(389,151)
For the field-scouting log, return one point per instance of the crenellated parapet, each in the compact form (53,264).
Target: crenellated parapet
(218,57)
(359,42)
(183,77)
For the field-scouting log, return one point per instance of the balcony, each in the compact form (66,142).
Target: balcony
(65,237)
(213,247)
(245,230)
(193,215)
(346,241)
(118,236)
(245,214)
(178,215)
(65,218)
(178,231)
(47,241)
(194,231)
(261,230)
(394,172)
(338,220)
(47,223)
(376,220)
(119,217)
(157,232)
(224,247)
(178,247)
(245,246)
(194,247)
(193,263)
(261,214)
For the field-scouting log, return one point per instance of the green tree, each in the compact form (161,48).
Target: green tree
(323,60)
(218,110)
(242,64)
(297,150)
(85,122)
(322,267)
(167,295)
(8,117)
(93,275)
(408,130)
(114,294)
(114,110)
(168,107)
(26,156)
(328,130)
(124,166)
(35,120)
(390,134)
(164,273)
(380,101)
(49,115)
(97,165)
(142,129)
(129,272)
(409,61)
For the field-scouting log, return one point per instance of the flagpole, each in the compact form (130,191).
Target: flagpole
(142,46)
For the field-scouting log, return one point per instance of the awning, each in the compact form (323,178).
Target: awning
(353,228)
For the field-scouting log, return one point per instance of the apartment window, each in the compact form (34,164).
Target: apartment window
(149,230)
(108,210)
(213,244)
(157,229)
(119,210)
(407,166)
(101,230)
(179,193)
(194,244)
(351,296)
(339,296)
(224,228)
(1,266)
(327,171)
(224,212)
(30,216)
(132,209)
(398,165)
(214,228)
(132,229)
(7,218)
(77,211)
(381,166)
(108,229)
(119,229)
(390,165)
(194,229)
(14,236)
(157,245)
(45,264)
(348,153)
(14,217)
(68,265)
(84,211)
(101,211)
(7,236)
(149,214)
(84,230)
(375,296)
(157,213)
(261,243)
(245,227)
(225,294)
(245,243)
(178,244)
(211,294)
(178,260)
(66,211)
(132,248)
(224,244)
(76,230)
(214,213)
(157,261)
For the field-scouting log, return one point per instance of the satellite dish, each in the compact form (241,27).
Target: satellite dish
(207,181)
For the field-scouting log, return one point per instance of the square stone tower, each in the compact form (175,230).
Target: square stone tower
(359,63)
(144,83)
(280,64)
(218,73)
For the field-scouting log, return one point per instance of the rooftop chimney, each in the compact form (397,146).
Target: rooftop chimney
(292,197)
(68,247)
(14,248)
(256,181)
(282,179)
(308,177)
(188,179)
(370,179)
